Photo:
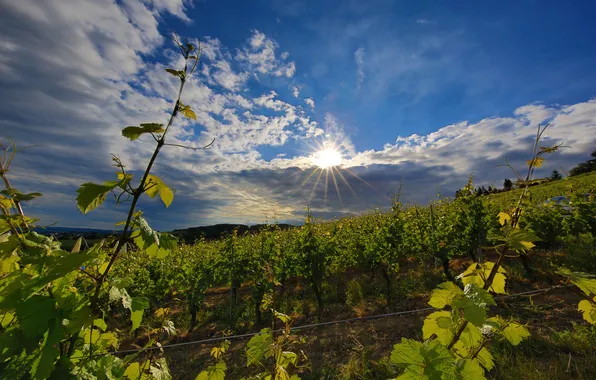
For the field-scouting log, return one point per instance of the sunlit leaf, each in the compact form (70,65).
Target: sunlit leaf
(440,324)
(586,282)
(588,310)
(444,294)
(133,371)
(428,360)
(155,186)
(478,273)
(504,218)
(471,370)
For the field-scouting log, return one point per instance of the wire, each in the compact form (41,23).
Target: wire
(313,325)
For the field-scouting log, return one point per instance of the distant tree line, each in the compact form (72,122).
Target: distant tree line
(510,185)
(584,167)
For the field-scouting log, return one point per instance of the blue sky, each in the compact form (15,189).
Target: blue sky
(422,93)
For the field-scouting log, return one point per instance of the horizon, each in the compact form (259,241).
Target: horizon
(375,94)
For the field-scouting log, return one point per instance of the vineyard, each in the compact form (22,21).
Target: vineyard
(472,287)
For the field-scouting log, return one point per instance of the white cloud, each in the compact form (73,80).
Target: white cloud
(261,58)
(296,92)
(359,58)
(310,102)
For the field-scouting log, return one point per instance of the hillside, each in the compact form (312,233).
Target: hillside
(580,184)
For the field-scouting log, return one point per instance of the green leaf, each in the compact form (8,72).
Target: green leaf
(477,274)
(259,347)
(155,186)
(521,240)
(515,333)
(177,73)
(486,359)
(18,196)
(91,195)
(586,282)
(138,304)
(100,323)
(133,371)
(589,310)
(133,133)
(439,323)
(444,295)
(428,360)
(159,370)
(473,313)
(45,360)
(214,372)
(287,358)
(471,370)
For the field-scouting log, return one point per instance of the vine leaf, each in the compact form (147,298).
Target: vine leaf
(177,73)
(91,195)
(214,372)
(133,133)
(258,347)
(439,323)
(589,310)
(478,273)
(444,295)
(18,196)
(159,370)
(133,371)
(137,306)
(187,111)
(503,218)
(586,282)
(428,360)
(471,370)
(155,186)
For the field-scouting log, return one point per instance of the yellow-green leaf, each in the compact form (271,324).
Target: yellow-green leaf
(155,186)
(588,310)
(438,323)
(133,371)
(444,294)
(536,162)
(504,218)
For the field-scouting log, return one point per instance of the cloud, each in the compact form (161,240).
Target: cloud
(310,102)
(296,91)
(359,57)
(261,57)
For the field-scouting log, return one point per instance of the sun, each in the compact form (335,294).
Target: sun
(327,158)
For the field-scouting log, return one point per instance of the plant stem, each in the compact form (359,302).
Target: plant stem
(9,187)
(136,195)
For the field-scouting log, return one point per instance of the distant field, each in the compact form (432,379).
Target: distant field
(581,184)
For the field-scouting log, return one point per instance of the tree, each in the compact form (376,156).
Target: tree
(555,176)
(507,184)
(584,167)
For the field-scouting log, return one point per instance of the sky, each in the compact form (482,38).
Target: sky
(412,94)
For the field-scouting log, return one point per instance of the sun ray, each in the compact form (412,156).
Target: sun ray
(337,188)
(307,178)
(326,184)
(312,192)
(346,182)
